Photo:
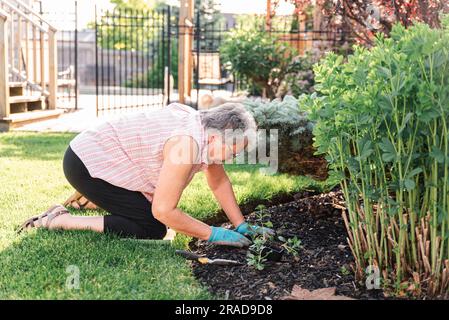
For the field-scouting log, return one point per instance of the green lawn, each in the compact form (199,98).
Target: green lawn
(35,265)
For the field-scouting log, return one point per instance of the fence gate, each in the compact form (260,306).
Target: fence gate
(132,59)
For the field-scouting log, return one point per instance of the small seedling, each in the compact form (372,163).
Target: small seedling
(268,224)
(263,219)
(292,245)
(344,271)
(263,216)
(255,256)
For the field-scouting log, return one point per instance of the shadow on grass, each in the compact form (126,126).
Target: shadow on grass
(86,265)
(34,146)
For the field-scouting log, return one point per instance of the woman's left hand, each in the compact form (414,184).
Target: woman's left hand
(250,230)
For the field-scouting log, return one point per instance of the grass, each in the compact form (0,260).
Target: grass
(38,264)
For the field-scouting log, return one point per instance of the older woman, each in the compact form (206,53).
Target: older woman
(136,167)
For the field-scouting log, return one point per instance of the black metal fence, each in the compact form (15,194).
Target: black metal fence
(137,55)
(131,57)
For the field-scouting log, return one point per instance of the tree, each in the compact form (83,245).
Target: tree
(362,19)
(120,29)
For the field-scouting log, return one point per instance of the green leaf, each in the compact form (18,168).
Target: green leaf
(414,172)
(389,154)
(409,184)
(387,146)
(367,150)
(437,154)
(406,120)
(385,103)
(389,157)
(281,238)
(269,224)
(384,72)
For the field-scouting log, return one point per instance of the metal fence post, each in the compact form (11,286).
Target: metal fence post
(168,52)
(197,75)
(96,62)
(76,57)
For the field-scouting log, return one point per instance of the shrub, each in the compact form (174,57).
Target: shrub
(299,77)
(258,58)
(382,119)
(296,153)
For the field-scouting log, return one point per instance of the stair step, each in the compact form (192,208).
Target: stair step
(17,89)
(17,84)
(18,119)
(24,99)
(66,82)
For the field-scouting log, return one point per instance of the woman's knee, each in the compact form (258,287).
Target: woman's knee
(127,228)
(74,170)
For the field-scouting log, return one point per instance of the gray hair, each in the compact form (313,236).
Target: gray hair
(227,117)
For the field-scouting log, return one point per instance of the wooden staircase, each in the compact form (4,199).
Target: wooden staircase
(26,108)
(28,66)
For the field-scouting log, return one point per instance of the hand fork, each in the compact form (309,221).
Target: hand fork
(204,260)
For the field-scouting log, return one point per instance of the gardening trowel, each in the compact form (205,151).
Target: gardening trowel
(204,260)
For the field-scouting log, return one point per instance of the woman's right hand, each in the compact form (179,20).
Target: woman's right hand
(226,237)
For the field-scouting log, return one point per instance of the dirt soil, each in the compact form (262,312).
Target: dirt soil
(324,259)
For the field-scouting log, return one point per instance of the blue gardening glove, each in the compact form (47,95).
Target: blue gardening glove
(226,237)
(250,230)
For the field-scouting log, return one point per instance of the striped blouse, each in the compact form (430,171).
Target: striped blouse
(127,151)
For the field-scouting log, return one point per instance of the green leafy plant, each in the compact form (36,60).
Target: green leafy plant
(291,245)
(382,120)
(344,271)
(260,247)
(256,256)
(257,57)
(263,218)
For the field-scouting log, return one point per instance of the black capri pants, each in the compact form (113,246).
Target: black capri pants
(130,212)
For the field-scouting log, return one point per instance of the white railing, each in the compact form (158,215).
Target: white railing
(28,52)
(4,87)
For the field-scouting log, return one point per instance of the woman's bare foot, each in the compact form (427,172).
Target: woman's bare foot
(50,219)
(56,223)
(58,217)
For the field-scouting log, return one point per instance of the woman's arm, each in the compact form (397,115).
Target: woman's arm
(179,153)
(221,186)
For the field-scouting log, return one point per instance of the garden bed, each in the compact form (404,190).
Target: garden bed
(324,258)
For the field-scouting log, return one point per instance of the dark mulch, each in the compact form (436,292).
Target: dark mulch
(324,260)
